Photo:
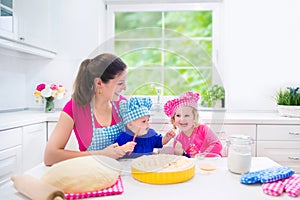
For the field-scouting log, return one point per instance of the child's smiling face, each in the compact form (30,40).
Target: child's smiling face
(184,119)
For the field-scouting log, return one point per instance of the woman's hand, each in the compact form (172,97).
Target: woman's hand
(113,151)
(128,147)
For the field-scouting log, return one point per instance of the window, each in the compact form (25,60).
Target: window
(6,16)
(167,47)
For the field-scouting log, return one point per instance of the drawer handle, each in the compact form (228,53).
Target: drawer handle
(294,133)
(294,158)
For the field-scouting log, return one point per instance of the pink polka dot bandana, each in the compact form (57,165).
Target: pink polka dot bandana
(187,99)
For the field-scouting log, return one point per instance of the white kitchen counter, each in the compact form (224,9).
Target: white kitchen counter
(21,118)
(216,185)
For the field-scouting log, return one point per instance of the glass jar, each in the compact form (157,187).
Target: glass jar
(239,148)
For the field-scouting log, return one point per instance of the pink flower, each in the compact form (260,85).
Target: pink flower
(49,91)
(53,86)
(41,86)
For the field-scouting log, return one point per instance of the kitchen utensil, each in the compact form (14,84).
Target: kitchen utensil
(135,134)
(36,189)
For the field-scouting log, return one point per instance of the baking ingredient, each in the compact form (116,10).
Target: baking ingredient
(83,174)
(207,167)
(239,163)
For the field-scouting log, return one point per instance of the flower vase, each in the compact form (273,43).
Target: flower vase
(49,104)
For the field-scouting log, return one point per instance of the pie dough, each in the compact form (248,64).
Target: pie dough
(83,174)
(162,169)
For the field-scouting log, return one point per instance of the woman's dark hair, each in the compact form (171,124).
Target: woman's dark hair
(105,66)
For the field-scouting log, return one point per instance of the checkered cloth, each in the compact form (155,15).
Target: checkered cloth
(290,185)
(117,188)
(267,175)
(274,188)
(135,108)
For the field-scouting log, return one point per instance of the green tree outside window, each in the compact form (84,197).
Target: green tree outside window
(168,49)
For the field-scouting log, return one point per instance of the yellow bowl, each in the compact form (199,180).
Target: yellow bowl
(164,169)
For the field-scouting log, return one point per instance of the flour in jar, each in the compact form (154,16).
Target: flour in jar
(239,163)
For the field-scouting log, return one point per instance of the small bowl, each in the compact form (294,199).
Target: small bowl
(207,161)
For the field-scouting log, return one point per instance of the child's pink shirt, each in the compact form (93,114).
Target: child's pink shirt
(203,139)
(83,128)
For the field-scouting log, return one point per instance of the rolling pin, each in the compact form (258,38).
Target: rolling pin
(36,189)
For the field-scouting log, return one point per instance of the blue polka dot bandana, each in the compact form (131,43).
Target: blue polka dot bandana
(135,108)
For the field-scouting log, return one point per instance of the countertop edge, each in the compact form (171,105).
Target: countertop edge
(22,118)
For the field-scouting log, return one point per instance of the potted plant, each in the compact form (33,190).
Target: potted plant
(288,102)
(211,95)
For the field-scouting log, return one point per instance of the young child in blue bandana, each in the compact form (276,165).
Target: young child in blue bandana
(136,114)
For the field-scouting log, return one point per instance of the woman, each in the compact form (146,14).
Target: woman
(92,112)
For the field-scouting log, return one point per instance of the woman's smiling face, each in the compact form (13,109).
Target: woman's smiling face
(115,86)
(184,118)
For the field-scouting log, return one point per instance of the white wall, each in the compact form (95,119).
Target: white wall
(260,52)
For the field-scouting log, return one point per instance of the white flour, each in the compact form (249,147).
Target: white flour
(239,163)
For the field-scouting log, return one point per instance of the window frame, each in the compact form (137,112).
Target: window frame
(161,7)
(10,34)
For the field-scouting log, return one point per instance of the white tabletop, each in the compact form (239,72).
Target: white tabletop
(216,185)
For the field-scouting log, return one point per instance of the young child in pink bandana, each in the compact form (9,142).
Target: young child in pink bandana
(193,137)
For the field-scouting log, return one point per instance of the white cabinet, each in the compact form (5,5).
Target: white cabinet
(72,143)
(21,149)
(34,22)
(31,29)
(34,143)
(225,130)
(280,143)
(10,153)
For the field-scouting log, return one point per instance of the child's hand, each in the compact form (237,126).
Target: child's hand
(192,151)
(128,147)
(178,150)
(170,134)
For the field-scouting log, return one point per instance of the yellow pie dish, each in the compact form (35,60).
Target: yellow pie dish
(163,169)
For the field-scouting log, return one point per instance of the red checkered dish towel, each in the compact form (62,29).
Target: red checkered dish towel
(290,185)
(117,188)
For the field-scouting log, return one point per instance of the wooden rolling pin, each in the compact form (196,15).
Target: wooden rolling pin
(36,189)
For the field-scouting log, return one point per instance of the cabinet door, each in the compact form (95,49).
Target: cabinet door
(225,130)
(278,132)
(10,138)
(280,143)
(10,163)
(34,23)
(72,143)
(10,153)
(34,143)
(285,153)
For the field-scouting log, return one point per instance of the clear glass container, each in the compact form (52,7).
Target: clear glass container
(238,150)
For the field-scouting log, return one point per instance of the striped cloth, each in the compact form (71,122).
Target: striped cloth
(117,188)
(290,185)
